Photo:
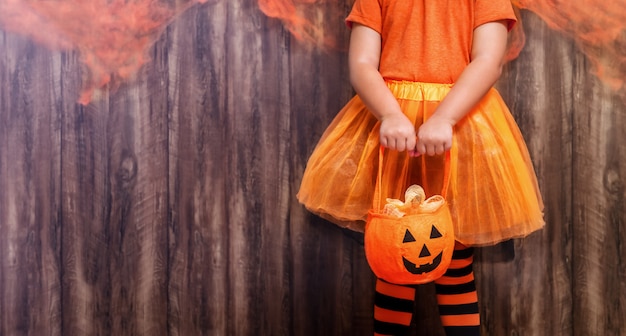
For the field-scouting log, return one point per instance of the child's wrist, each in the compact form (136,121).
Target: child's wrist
(389,114)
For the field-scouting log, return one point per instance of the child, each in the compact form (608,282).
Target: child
(423,71)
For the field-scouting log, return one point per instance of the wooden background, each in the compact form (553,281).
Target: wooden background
(167,207)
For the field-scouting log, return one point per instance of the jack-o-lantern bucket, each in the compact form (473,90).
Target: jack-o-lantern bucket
(410,242)
(412,249)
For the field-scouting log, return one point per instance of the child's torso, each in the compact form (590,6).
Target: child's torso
(426,41)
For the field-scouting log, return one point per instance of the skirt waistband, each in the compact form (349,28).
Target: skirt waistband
(419,91)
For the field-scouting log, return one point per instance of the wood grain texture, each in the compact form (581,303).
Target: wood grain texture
(199,286)
(598,206)
(114,173)
(30,189)
(167,206)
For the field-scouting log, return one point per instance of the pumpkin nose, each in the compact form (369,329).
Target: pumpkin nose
(425,252)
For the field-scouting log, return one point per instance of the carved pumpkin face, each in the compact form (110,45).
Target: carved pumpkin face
(410,250)
(426,261)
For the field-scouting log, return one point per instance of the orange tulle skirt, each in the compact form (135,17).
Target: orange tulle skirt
(492,192)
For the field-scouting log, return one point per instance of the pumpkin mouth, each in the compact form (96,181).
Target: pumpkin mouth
(413,269)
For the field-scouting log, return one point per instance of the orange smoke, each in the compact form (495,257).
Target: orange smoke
(112,36)
(299,17)
(597,26)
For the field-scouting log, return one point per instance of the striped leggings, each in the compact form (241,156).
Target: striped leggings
(456,297)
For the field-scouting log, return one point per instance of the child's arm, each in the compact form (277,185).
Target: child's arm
(396,130)
(484,69)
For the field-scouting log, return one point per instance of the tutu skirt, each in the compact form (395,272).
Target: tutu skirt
(492,193)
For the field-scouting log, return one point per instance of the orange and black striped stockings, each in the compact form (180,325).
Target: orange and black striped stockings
(456,296)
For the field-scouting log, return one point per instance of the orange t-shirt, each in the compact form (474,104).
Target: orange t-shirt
(427,40)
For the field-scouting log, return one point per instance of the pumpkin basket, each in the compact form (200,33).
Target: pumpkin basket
(410,241)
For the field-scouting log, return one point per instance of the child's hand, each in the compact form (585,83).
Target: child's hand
(397,133)
(434,136)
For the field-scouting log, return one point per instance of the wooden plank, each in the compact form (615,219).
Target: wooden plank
(84,209)
(114,174)
(30,301)
(268,174)
(199,280)
(599,206)
(140,142)
(257,101)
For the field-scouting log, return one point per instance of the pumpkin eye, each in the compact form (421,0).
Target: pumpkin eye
(408,237)
(434,233)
